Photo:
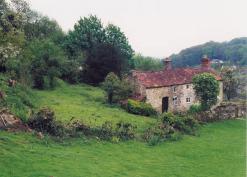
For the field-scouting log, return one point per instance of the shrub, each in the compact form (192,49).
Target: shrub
(154,140)
(107,131)
(140,108)
(195,108)
(116,89)
(171,127)
(44,121)
(125,131)
(71,71)
(182,123)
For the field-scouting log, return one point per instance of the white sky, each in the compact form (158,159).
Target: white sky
(157,27)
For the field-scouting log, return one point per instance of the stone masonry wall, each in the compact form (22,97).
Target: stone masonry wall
(154,97)
(223,111)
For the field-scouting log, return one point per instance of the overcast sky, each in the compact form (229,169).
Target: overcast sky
(157,27)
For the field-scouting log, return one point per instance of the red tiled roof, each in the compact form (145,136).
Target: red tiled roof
(170,77)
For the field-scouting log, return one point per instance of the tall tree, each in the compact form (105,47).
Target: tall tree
(117,38)
(105,49)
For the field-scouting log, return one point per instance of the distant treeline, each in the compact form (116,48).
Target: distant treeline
(234,51)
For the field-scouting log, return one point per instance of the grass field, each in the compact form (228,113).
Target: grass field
(219,151)
(86,103)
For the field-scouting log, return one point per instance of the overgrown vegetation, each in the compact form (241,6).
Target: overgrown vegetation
(207,89)
(116,89)
(171,127)
(230,82)
(144,63)
(18,98)
(139,108)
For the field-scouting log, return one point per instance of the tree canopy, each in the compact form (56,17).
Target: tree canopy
(234,51)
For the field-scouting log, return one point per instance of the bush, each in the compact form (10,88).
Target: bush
(185,123)
(116,89)
(71,72)
(140,108)
(107,131)
(44,121)
(195,108)
(171,127)
(125,131)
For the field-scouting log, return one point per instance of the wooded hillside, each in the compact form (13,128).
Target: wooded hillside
(234,51)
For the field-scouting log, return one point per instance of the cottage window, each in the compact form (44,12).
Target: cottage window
(175,100)
(174,89)
(188,100)
(187,86)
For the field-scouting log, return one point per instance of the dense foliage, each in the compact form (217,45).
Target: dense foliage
(139,108)
(230,82)
(106,49)
(206,88)
(144,63)
(170,127)
(116,89)
(234,51)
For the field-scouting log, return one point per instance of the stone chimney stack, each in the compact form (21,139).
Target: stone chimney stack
(205,62)
(167,63)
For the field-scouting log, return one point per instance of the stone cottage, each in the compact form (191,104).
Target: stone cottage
(171,89)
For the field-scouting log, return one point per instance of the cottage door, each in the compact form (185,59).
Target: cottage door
(165,104)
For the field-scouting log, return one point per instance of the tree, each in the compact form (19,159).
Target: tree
(117,38)
(207,89)
(88,32)
(230,83)
(105,49)
(46,63)
(111,85)
(116,89)
(146,63)
(11,33)
(41,27)
(103,59)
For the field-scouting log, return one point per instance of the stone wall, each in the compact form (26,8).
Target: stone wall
(154,96)
(223,111)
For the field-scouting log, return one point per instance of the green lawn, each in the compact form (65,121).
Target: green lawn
(219,151)
(88,104)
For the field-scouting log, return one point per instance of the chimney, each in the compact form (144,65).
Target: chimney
(205,62)
(167,63)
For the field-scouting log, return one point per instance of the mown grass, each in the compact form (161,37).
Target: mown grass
(86,103)
(218,152)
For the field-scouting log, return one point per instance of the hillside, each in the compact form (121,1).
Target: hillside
(219,151)
(234,51)
(86,103)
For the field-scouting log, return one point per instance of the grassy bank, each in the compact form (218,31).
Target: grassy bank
(86,103)
(218,152)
